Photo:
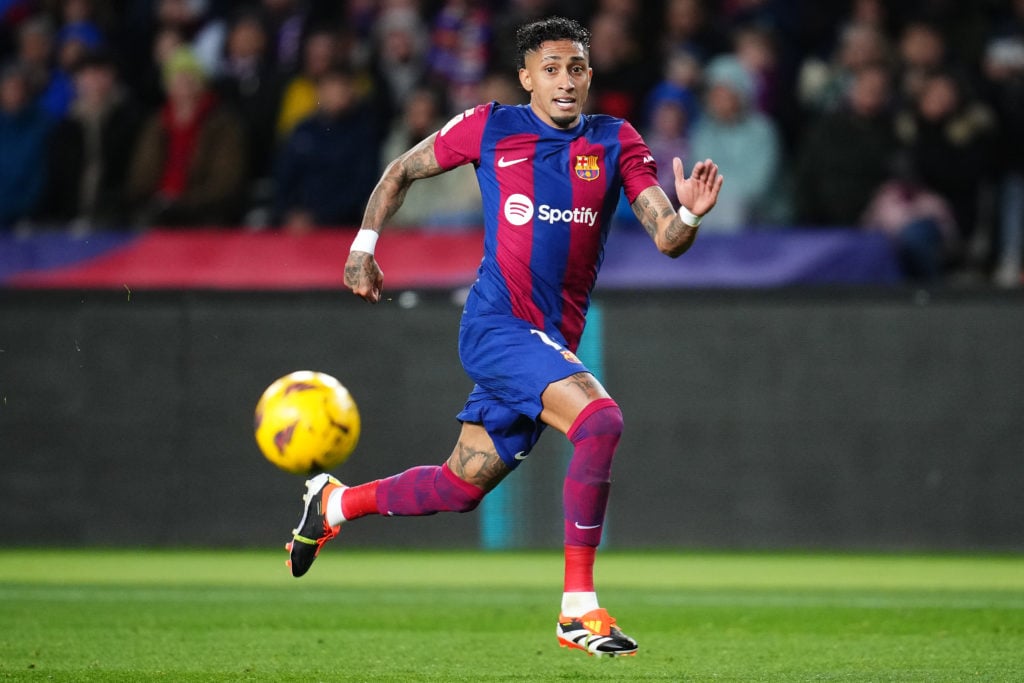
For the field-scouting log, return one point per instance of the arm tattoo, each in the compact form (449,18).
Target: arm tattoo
(387,197)
(646,214)
(654,211)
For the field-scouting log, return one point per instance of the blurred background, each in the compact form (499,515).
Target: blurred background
(837,363)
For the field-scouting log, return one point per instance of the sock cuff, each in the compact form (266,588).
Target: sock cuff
(461,484)
(588,410)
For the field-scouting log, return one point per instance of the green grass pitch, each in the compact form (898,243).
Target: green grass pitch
(80,615)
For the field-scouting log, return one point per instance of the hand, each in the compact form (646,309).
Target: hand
(363,276)
(699,192)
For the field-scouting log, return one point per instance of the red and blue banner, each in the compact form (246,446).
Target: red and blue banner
(237,259)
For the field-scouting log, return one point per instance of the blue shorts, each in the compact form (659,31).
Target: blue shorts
(512,363)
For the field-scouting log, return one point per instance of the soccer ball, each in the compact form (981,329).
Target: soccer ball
(307,422)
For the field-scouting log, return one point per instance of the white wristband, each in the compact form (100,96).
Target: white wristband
(688,217)
(365,240)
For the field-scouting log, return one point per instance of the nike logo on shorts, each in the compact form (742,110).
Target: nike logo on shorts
(586,526)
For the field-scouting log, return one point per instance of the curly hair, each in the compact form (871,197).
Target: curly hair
(530,36)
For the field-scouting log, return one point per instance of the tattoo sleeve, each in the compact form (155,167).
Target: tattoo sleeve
(387,197)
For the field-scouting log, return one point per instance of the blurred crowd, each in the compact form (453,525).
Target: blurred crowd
(901,117)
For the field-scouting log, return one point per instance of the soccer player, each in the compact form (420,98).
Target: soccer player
(550,178)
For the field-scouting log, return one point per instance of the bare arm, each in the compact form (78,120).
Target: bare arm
(698,194)
(362,273)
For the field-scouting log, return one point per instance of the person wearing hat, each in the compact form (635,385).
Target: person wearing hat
(745,143)
(189,164)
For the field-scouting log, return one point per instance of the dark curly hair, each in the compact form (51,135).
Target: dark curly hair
(530,36)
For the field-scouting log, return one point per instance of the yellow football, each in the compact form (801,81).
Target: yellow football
(307,422)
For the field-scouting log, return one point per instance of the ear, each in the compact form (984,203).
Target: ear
(525,80)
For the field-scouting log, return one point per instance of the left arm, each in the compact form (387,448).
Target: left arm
(698,194)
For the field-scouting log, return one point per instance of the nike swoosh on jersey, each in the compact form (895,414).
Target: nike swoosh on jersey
(511,162)
(586,526)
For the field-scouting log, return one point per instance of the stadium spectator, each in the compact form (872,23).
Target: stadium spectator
(1004,70)
(34,49)
(919,222)
(824,85)
(755,50)
(667,135)
(99,13)
(508,19)
(188,167)
(72,43)
(399,54)
(921,52)
(948,135)
(729,129)
(329,163)
(460,44)
(846,154)
(251,85)
(23,130)
(286,21)
(204,33)
(148,84)
(624,76)
(690,27)
(319,52)
(681,82)
(89,151)
(453,200)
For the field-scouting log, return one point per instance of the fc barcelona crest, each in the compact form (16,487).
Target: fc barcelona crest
(586,167)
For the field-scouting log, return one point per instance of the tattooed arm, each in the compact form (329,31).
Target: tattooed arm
(698,194)
(362,273)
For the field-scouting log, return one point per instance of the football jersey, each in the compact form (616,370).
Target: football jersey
(549,196)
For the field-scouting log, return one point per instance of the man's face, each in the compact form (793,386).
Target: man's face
(557,76)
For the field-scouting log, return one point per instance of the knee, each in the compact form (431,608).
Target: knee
(601,418)
(461,495)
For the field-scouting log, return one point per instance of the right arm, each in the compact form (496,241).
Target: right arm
(362,273)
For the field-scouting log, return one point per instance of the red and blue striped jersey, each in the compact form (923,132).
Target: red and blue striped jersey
(549,196)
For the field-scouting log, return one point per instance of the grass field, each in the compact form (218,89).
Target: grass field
(417,616)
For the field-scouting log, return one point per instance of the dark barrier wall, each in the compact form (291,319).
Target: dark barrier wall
(753,420)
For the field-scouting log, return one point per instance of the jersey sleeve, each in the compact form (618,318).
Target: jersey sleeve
(636,163)
(458,142)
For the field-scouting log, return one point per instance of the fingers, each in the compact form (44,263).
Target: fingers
(371,292)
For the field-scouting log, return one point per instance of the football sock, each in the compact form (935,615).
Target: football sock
(578,603)
(579,568)
(425,490)
(335,513)
(595,435)
(352,502)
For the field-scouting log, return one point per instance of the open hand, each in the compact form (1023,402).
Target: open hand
(699,192)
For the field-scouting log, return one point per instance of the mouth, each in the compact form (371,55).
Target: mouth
(565,103)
